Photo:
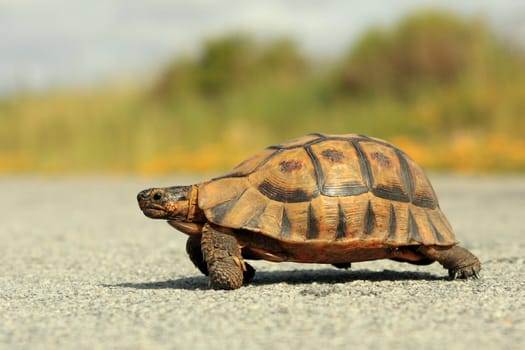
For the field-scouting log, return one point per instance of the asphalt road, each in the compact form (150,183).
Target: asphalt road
(82,268)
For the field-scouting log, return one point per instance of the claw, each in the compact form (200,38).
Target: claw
(463,274)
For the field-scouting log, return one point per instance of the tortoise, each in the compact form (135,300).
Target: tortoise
(332,199)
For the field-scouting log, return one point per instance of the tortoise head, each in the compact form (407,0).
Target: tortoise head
(168,203)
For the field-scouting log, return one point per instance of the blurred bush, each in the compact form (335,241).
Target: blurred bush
(443,88)
(229,63)
(425,49)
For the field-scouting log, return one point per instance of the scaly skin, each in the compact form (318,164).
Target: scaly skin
(460,262)
(223,255)
(193,248)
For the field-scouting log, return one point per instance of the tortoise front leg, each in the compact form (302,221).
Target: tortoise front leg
(459,261)
(193,248)
(223,256)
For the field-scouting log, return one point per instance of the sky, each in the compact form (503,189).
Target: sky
(64,43)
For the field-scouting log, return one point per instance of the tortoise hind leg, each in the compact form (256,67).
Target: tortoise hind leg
(460,262)
(223,256)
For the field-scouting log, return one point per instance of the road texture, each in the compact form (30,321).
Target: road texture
(82,268)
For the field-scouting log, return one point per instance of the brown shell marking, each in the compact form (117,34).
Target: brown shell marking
(344,188)
(339,174)
(289,177)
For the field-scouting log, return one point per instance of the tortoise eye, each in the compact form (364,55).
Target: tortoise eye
(157,196)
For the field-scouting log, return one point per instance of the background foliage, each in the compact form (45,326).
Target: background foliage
(443,88)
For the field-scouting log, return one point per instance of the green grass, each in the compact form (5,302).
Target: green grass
(469,129)
(206,115)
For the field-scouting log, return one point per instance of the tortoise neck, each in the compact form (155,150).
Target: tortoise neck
(195,214)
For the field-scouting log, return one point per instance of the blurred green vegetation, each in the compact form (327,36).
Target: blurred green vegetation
(443,88)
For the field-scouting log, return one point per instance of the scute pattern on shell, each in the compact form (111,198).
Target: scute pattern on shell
(342,188)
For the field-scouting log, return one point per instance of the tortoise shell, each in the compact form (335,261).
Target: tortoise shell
(329,188)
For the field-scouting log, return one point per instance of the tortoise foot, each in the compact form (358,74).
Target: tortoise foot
(225,274)
(460,262)
(249,273)
(464,272)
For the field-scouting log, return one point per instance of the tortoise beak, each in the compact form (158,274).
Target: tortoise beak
(144,195)
(151,203)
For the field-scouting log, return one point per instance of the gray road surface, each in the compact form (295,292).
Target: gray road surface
(81,268)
